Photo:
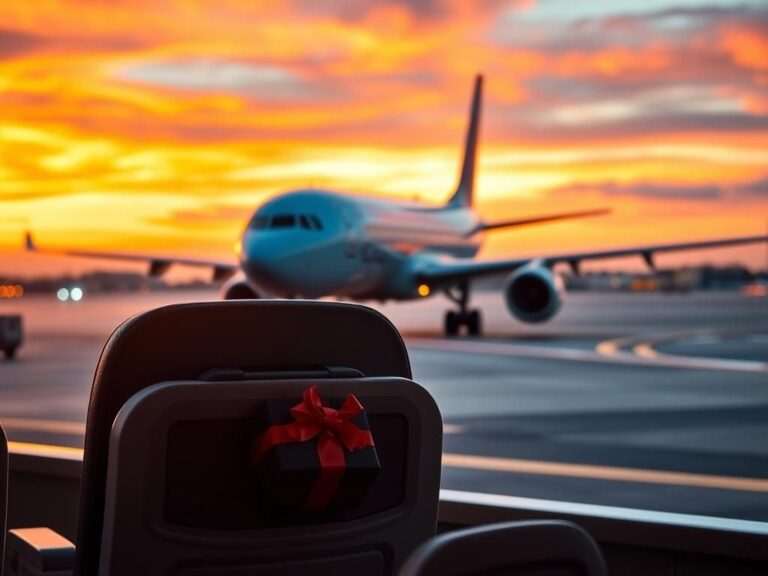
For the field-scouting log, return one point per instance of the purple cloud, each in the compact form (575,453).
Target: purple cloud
(651,190)
(13,43)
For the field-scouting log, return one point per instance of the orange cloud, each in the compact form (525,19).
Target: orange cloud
(617,61)
(141,123)
(747,47)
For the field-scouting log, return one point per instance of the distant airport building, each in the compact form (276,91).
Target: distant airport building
(667,280)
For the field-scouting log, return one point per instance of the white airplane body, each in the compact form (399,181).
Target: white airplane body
(315,243)
(363,248)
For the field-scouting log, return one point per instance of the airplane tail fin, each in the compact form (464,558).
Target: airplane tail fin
(463,197)
(29,243)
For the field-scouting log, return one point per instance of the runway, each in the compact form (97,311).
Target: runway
(646,401)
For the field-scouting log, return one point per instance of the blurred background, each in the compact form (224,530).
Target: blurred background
(160,125)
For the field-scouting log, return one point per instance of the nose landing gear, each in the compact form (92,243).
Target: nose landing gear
(464,316)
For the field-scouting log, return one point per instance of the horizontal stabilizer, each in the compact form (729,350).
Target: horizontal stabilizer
(482,227)
(29,243)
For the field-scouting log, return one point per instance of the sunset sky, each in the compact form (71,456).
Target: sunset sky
(158,125)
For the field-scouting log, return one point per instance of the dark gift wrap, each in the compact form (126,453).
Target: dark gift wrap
(313,457)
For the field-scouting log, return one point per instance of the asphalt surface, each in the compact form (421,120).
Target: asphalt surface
(646,401)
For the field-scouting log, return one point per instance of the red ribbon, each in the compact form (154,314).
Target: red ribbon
(336,433)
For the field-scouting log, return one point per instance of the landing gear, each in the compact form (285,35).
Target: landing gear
(451,323)
(474,323)
(469,318)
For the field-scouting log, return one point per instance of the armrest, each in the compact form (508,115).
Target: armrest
(33,551)
(534,546)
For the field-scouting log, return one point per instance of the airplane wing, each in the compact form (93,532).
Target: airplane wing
(438,272)
(483,226)
(158,265)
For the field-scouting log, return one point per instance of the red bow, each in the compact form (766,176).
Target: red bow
(336,433)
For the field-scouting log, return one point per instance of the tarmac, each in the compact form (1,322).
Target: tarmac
(647,401)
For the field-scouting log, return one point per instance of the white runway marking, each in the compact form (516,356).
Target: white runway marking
(561,508)
(604,473)
(503,349)
(643,348)
(607,352)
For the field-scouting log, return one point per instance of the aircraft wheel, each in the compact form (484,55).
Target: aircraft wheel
(10,353)
(451,323)
(474,323)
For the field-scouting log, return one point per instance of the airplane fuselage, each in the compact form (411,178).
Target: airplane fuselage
(314,243)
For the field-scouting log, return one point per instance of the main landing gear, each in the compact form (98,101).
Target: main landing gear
(469,318)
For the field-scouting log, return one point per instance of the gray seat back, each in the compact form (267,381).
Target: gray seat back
(181,500)
(534,548)
(183,341)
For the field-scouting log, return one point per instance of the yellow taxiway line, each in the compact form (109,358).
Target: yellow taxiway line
(606,352)
(643,350)
(47,450)
(40,425)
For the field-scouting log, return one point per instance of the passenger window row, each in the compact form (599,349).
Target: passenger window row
(306,221)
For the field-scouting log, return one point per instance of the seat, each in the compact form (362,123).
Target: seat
(3,494)
(533,548)
(164,488)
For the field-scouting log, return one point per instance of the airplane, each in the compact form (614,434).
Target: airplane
(313,243)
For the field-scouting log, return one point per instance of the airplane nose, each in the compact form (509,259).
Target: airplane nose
(261,255)
(255,251)
(275,261)
(290,263)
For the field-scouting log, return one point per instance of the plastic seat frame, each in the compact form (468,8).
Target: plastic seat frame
(511,548)
(183,341)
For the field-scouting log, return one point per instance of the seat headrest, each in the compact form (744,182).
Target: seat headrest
(185,340)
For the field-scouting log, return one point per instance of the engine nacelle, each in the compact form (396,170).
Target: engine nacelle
(534,294)
(238,289)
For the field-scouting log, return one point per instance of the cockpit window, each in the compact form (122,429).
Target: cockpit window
(305,221)
(283,221)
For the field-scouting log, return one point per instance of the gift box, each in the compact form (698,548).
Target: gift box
(313,455)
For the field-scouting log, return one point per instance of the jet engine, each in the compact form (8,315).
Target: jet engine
(533,293)
(238,289)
